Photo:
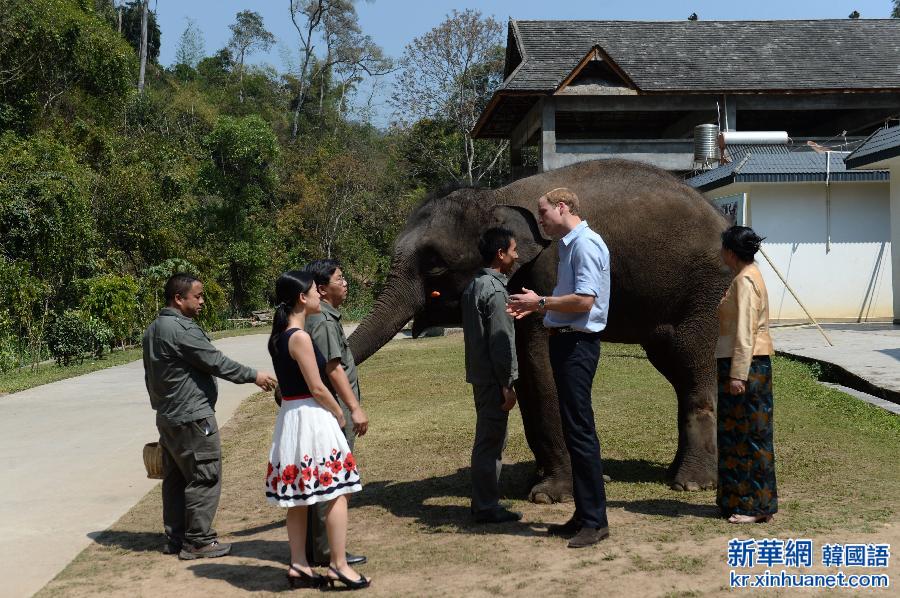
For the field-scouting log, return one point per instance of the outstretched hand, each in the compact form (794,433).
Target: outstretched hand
(265,381)
(522,304)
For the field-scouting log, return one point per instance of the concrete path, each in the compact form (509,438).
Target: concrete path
(71,461)
(866,356)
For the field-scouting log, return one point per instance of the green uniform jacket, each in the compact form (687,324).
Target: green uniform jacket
(327,333)
(489,333)
(179,365)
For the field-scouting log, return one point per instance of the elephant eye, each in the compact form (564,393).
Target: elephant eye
(433,265)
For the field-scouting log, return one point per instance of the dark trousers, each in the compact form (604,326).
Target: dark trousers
(487,450)
(192,466)
(574,357)
(317,550)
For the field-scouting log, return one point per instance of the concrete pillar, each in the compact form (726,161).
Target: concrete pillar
(548,134)
(895,235)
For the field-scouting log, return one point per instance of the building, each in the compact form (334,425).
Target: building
(827,229)
(581,90)
(882,151)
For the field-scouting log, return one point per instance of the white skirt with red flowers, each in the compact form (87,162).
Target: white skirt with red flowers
(310,460)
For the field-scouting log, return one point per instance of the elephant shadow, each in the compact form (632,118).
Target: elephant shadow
(422,500)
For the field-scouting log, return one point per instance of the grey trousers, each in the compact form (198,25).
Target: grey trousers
(487,450)
(317,550)
(192,466)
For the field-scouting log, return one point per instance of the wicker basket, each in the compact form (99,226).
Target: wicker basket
(153,460)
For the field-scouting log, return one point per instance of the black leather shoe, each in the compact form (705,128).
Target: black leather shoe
(565,530)
(588,536)
(497,515)
(356,559)
(352,559)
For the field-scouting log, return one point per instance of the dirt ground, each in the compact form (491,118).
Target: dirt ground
(412,519)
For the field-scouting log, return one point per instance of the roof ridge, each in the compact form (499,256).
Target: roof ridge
(700,23)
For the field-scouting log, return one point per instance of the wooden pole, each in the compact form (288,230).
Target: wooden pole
(794,295)
(143,46)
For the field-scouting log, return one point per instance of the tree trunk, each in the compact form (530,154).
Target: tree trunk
(144,17)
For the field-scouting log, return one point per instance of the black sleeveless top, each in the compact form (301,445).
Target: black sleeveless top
(290,378)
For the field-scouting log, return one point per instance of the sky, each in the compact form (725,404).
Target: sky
(394,23)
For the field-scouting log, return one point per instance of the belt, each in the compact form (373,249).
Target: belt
(296,398)
(561,330)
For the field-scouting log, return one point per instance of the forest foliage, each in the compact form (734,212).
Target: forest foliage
(221,167)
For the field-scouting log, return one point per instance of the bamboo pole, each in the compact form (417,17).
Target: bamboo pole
(794,295)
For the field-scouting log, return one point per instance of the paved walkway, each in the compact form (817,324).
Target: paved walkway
(71,461)
(866,356)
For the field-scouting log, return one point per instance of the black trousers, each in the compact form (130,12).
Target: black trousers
(574,357)
(192,466)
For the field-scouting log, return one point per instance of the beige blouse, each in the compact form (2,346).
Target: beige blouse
(744,321)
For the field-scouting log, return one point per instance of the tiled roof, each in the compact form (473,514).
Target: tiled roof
(693,56)
(881,145)
(793,167)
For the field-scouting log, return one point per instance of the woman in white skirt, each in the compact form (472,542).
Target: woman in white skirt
(310,461)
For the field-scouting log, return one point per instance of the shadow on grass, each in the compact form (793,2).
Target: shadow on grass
(250,578)
(131,541)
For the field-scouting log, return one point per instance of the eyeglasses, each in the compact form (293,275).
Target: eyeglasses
(339,280)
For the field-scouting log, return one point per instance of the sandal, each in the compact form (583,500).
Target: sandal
(304,580)
(737,518)
(352,584)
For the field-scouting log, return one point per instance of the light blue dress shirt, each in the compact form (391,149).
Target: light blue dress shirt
(584,270)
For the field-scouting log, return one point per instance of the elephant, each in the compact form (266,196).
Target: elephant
(667,279)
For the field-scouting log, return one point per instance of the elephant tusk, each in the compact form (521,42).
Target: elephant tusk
(435,294)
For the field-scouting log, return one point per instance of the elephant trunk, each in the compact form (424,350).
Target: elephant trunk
(395,306)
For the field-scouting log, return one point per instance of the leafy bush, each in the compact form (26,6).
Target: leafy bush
(75,333)
(113,300)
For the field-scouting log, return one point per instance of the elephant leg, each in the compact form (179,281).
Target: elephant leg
(685,357)
(540,414)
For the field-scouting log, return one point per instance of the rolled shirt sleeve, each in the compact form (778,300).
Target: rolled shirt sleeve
(198,351)
(588,267)
(748,305)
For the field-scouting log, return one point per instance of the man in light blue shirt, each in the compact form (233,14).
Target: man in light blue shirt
(574,316)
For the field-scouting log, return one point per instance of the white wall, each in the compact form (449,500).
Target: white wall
(849,281)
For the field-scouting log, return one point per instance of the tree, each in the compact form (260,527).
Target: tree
(132,14)
(190,49)
(333,25)
(55,50)
(449,74)
(248,34)
(896,12)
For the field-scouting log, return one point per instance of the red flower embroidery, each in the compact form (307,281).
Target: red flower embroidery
(275,481)
(289,475)
(335,466)
(349,462)
(269,470)
(325,478)
(306,457)
(306,472)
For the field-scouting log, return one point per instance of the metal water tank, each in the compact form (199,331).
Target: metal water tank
(706,149)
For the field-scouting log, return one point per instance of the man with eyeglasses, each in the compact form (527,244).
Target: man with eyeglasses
(327,333)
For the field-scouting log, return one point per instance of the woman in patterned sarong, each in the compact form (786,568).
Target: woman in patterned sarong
(746,491)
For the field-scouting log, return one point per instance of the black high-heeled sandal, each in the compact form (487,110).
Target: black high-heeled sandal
(304,580)
(352,584)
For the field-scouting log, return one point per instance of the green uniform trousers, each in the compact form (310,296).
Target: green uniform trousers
(487,450)
(317,550)
(192,466)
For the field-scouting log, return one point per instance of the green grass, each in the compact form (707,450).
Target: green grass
(47,372)
(835,459)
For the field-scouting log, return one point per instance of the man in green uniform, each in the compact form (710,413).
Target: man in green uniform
(180,363)
(491,369)
(327,333)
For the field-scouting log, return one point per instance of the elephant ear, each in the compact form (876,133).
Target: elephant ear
(530,242)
